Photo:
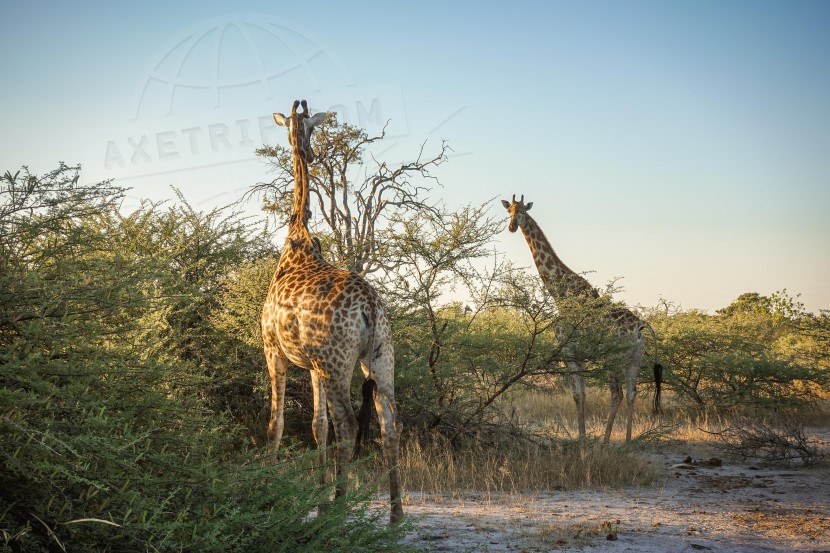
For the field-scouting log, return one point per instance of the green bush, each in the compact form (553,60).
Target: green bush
(759,352)
(112,434)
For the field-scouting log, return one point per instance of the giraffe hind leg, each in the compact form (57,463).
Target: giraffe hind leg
(337,393)
(630,396)
(381,370)
(631,374)
(320,424)
(277,369)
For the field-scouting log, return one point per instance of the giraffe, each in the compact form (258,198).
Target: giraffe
(325,320)
(561,281)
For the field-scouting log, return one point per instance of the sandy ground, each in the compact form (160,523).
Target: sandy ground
(695,506)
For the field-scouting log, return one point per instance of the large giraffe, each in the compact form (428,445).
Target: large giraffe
(561,281)
(325,320)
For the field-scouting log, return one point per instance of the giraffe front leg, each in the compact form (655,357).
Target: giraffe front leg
(631,375)
(277,369)
(616,398)
(578,385)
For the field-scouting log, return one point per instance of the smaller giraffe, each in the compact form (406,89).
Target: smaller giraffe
(326,320)
(563,282)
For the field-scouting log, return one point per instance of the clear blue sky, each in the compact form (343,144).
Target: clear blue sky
(683,146)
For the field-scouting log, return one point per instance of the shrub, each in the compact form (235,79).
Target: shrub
(108,443)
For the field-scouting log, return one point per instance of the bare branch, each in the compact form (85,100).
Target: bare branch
(352,212)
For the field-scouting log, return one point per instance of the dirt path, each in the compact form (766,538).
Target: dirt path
(696,507)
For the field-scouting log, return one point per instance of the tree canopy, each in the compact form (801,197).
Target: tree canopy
(353,195)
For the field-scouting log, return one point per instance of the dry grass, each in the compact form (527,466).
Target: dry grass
(554,415)
(436,467)
(557,461)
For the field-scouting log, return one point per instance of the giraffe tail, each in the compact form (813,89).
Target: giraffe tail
(364,415)
(658,381)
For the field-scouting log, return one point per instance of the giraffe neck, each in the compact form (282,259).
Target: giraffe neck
(299,246)
(558,278)
(298,222)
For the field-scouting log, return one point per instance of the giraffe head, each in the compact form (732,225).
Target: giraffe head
(517,210)
(300,126)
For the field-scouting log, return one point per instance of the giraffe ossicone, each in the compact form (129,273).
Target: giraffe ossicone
(561,282)
(326,320)
(306,123)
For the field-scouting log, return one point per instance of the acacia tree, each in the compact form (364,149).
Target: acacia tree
(433,254)
(458,358)
(353,192)
(759,351)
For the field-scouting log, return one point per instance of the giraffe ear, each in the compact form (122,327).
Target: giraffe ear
(317,119)
(279,118)
(528,205)
(506,204)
